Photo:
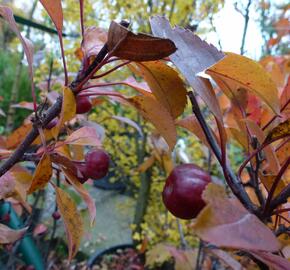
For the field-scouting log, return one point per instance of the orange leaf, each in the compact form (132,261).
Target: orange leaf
(72,220)
(147,163)
(42,174)
(245,73)
(191,124)
(54,9)
(138,47)
(224,222)
(84,136)
(83,193)
(68,110)
(161,78)
(153,111)
(17,135)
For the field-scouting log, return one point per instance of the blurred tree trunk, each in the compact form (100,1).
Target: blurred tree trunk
(145,180)
(15,86)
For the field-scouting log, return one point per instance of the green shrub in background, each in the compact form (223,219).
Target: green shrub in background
(8,67)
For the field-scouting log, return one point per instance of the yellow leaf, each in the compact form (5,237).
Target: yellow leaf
(282,130)
(143,167)
(83,193)
(48,136)
(243,72)
(68,110)
(166,86)
(72,221)
(153,111)
(18,135)
(42,174)
(268,181)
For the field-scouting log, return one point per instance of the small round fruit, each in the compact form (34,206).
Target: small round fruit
(83,104)
(52,123)
(56,215)
(97,164)
(183,189)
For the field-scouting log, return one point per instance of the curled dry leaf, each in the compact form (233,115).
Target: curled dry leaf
(137,47)
(8,235)
(72,220)
(224,222)
(42,174)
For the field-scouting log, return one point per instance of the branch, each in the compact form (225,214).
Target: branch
(275,184)
(246,16)
(281,198)
(82,77)
(233,182)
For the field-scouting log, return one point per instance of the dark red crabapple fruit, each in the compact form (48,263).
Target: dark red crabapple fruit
(97,164)
(83,105)
(183,189)
(56,215)
(30,267)
(52,123)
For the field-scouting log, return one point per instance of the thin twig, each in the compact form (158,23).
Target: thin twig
(233,182)
(275,184)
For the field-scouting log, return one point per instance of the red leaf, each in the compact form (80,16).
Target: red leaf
(274,261)
(224,222)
